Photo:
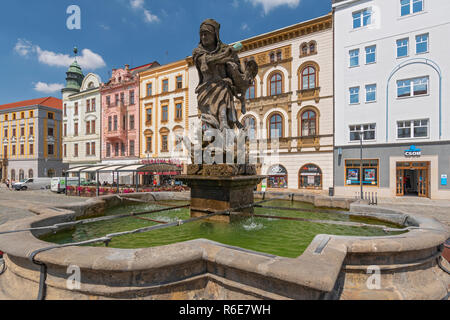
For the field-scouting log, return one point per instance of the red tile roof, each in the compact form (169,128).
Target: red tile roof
(47,101)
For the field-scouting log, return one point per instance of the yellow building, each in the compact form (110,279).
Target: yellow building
(164,106)
(30,133)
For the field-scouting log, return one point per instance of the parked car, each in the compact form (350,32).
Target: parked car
(58,184)
(33,184)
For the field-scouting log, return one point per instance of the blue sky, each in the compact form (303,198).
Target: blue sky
(36,45)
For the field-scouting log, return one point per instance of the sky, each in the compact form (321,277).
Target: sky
(37,37)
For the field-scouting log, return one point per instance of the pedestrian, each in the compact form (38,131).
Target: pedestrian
(7,183)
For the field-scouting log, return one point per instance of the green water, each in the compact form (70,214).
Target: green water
(284,238)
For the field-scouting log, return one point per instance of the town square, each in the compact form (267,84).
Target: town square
(226,151)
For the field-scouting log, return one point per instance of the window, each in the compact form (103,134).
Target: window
(369,172)
(31,114)
(31,148)
(108,101)
(164,146)
(149,89)
(31,131)
(370,54)
(122,149)
(109,123)
(412,87)
(64,150)
(14,150)
(179,82)
(304,49)
(30,174)
(75,150)
(276,126)
(312,47)
(407,5)
(149,145)
(131,147)
(65,111)
(22,149)
(276,84)
(131,97)
(108,150)
(272,57)
(64,130)
(117,99)
(6,133)
(22,115)
(93,127)
(412,129)
(6,117)
(310,177)
(124,122)
(250,125)
(250,94)
(88,105)
(362,18)
(148,116)
(14,132)
(50,115)
(308,125)
(88,127)
(131,122)
(178,111)
(122,98)
(422,43)
(371,93)
(22,131)
(279,56)
(354,58)
(50,149)
(402,47)
(354,95)
(13,174)
(88,149)
(14,116)
(92,148)
(165,113)
(75,129)
(368,132)
(165,85)
(308,78)
(76,109)
(115,123)
(93,104)
(50,132)
(116,149)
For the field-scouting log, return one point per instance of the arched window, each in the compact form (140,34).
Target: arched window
(309,121)
(13,174)
(304,49)
(308,78)
(21,175)
(276,84)
(251,92)
(277,177)
(312,47)
(310,177)
(276,126)
(250,123)
(272,57)
(279,56)
(30,173)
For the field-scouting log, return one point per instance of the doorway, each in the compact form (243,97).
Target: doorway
(413,179)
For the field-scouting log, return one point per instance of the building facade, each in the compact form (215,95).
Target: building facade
(82,121)
(390,71)
(31,136)
(164,99)
(292,100)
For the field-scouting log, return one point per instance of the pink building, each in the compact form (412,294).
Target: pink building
(120,114)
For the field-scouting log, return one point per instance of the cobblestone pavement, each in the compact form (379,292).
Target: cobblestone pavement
(16,204)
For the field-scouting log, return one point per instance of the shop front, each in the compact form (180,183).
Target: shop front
(277,177)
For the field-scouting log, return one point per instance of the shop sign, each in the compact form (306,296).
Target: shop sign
(277,170)
(443,180)
(413,151)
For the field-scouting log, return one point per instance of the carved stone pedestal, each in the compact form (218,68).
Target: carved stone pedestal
(211,194)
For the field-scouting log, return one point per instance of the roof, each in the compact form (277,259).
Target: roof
(50,102)
(144,67)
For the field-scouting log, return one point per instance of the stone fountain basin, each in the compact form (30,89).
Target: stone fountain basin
(332,267)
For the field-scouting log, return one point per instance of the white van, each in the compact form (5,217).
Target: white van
(58,184)
(33,184)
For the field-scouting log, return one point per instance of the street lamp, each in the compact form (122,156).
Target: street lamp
(361,135)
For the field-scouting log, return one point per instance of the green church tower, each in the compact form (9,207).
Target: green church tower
(74,77)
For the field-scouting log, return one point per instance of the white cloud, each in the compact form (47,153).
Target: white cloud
(23,47)
(104,27)
(149,17)
(48,87)
(245,27)
(272,4)
(87,60)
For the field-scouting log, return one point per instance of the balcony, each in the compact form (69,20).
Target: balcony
(118,134)
(309,94)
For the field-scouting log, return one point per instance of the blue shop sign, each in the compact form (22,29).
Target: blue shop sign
(443,180)
(413,151)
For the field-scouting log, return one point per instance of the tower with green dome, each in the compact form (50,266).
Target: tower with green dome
(74,77)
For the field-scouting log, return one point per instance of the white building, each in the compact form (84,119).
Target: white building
(82,121)
(391,64)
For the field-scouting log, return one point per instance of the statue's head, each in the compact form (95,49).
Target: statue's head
(209,33)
